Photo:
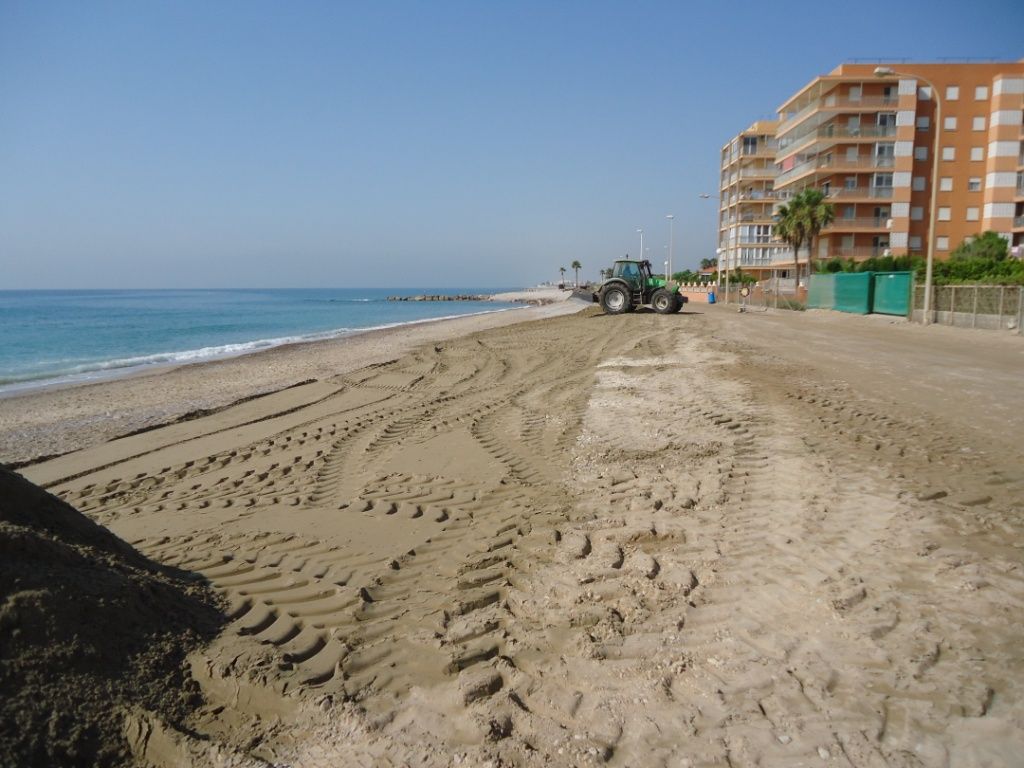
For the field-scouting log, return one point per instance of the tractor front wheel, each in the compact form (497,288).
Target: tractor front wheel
(615,300)
(679,302)
(663,301)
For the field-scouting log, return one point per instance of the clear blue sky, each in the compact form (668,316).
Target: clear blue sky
(218,144)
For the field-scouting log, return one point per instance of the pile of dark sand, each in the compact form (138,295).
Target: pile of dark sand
(89,630)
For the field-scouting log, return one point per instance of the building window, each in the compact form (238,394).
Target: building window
(949,123)
(750,145)
(981,93)
(972,214)
(915,242)
(978,123)
(949,153)
(923,123)
(974,184)
(952,92)
(916,212)
(944,213)
(917,184)
(946,184)
(924,93)
(920,153)
(942,243)
(977,153)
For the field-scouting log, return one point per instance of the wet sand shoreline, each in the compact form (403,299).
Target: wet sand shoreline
(54,420)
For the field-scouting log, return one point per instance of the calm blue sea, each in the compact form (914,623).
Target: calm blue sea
(60,336)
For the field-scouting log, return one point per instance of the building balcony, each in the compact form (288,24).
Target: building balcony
(832,103)
(758,173)
(860,193)
(833,133)
(858,224)
(836,164)
(861,162)
(748,217)
(859,252)
(765,195)
(763,151)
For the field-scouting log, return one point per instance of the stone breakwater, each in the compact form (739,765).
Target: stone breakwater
(440,297)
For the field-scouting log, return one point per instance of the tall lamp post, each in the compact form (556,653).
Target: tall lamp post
(926,318)
(720,251)
(671,236)
(638,229)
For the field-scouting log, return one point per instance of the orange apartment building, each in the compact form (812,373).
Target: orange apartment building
(867,141)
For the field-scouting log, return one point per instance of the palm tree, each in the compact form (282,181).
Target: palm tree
(818,214)
(791,227)
(562,270)
(577,267)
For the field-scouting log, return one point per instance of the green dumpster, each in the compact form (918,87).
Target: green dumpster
(892,293)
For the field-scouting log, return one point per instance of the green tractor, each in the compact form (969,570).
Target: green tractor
(632,284)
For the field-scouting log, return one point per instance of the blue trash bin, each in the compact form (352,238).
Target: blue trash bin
(711,297)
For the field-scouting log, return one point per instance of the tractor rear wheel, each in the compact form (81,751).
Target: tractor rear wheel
(615,300)
(663,301)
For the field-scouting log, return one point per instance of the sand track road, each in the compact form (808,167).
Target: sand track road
(636,540)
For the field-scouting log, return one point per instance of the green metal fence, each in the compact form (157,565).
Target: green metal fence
(854,291)
(892,293)
(822,292)
(862,293)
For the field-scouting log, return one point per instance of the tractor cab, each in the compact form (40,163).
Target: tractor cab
(633,272)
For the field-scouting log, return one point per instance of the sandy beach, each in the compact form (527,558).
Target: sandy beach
(542,537)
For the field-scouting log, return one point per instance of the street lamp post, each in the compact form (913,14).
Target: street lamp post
(641,242)
(671,237)
(719,251)
(666,270)
(889,72)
